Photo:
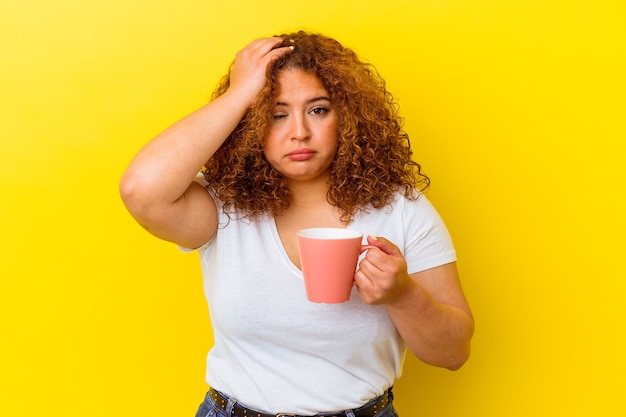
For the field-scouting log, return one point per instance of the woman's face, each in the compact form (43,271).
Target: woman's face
(302,140)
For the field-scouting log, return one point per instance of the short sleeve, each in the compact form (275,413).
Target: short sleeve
(427,241)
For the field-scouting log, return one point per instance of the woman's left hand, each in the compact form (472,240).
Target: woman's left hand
(382,276)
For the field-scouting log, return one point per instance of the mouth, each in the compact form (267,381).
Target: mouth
(301,154)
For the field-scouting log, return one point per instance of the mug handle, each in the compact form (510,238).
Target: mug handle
(366,247)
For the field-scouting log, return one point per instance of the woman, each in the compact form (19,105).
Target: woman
(303,134)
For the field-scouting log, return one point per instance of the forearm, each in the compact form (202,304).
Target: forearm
(438,334)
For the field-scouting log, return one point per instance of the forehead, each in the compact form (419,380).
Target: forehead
(299,84)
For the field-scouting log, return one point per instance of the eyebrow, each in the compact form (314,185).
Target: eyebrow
(311,101)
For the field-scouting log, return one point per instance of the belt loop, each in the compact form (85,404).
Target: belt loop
(229,407)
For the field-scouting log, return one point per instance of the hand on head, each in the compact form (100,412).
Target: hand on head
(248,73)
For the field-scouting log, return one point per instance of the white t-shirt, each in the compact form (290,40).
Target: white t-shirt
(278,352)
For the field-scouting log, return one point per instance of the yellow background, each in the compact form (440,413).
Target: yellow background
(515,109)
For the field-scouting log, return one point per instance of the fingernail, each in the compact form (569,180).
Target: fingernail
(373,237)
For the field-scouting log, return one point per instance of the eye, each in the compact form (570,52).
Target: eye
(319,110)
(278,116)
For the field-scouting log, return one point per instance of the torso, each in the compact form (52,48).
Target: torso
(262,320)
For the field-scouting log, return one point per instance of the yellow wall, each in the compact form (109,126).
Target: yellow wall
(515,109)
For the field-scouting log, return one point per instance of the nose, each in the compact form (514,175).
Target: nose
(300,128)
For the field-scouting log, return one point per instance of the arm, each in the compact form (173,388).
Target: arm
(158,188)
(428,308)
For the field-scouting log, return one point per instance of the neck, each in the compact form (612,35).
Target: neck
(309,208)
(308,194)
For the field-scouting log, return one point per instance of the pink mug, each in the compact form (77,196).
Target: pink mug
(328,258)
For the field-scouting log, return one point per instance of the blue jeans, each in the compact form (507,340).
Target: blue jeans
(209,409)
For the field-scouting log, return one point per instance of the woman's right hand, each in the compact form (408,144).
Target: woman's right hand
(248,74)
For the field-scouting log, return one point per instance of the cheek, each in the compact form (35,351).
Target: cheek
(270,140)
(273,136)
(332,135)
(270,148)
(334,127)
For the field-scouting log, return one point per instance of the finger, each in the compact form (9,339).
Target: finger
(384,245)
(364,285)
(263,46)
(362,279)
(256,49)
(285,43)
(372,265)
(279,51)
(283,46)
(265,51)
(366,289)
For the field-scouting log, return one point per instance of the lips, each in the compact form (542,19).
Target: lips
(301,154)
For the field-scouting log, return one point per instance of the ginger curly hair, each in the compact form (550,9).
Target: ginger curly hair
(373,160)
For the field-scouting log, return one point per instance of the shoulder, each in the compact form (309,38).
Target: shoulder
(416,203)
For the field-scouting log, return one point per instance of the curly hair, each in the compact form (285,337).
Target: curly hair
(373,160)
